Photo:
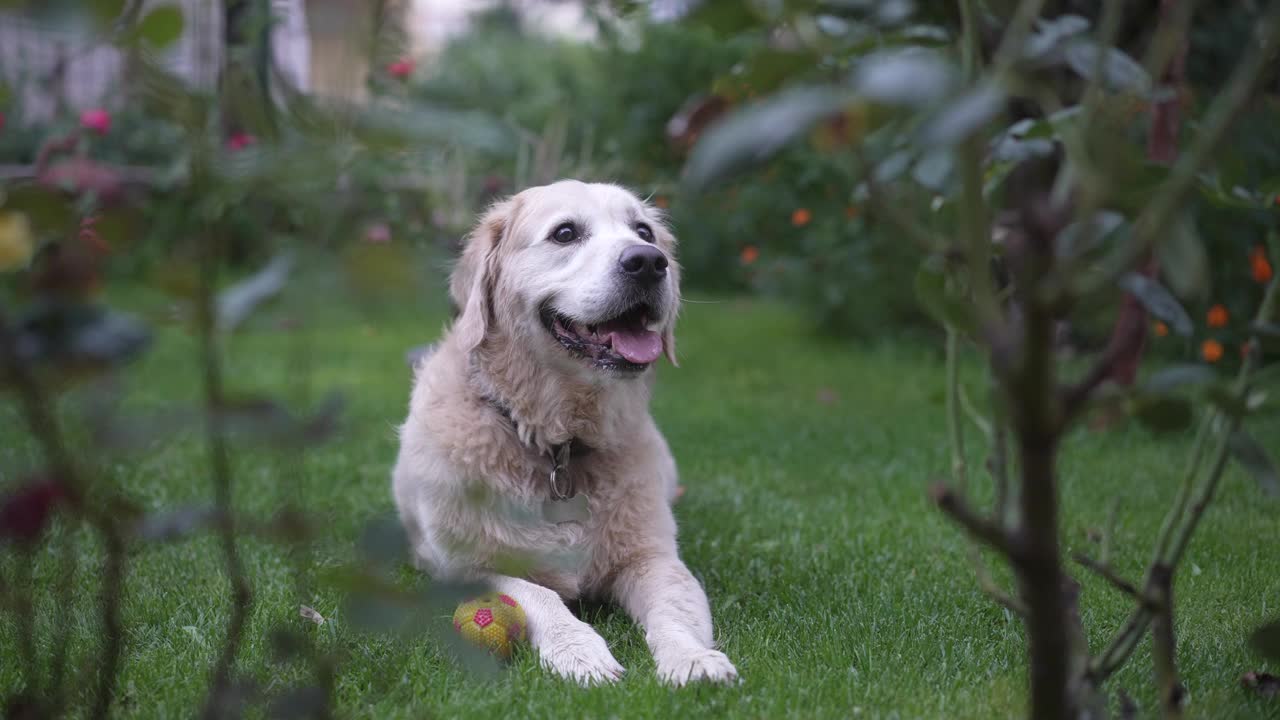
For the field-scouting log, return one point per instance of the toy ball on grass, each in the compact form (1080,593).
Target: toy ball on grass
(493,621)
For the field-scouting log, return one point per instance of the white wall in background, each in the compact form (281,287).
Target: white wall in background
(53,65)
(431,24)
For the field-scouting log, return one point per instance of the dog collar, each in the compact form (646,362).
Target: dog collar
(560,481)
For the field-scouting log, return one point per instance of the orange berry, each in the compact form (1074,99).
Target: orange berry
(1211,350)
(661,201)
(851,212)
(1218,316)
(801,217)
(1161,329)
(750,254)
(1260,266)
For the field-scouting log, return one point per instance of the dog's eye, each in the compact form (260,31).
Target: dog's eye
(565,234)
(645,232)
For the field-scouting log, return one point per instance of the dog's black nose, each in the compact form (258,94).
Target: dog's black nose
(644,263)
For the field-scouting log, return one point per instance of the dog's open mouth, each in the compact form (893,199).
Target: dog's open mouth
(626,342)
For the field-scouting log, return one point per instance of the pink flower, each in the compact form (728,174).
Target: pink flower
(240,140)
(97,120)
(401,68)
(1,121)
(377,234)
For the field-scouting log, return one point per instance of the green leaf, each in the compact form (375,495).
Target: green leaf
(764,71)
(1161,413)
(756,133)
(1119,71)
(161,27)
(383,542)
(1183,260)
(1227,400)
(1178,376)
(938,295)
(727,17)
(106,10)
(1256,460)
(963,116)
(1159,302)
(1266,641)
(385,127)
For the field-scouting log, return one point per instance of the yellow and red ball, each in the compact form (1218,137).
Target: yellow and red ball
(493,621)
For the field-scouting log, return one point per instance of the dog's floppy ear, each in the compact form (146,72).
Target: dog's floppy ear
(471,283)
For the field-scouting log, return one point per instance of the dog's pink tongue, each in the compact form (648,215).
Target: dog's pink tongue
(636,344)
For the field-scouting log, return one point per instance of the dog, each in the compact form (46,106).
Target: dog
(529,460)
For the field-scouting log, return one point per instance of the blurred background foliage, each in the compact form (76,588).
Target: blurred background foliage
(201,151)
(627,104)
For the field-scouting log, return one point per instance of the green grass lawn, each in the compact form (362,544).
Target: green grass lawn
(837,590)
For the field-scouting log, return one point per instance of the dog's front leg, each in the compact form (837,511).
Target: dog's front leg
(565,645)
(664,597)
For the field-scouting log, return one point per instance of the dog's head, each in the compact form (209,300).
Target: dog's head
(583,276)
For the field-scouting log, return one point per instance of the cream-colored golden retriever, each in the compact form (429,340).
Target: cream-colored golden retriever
(529,459)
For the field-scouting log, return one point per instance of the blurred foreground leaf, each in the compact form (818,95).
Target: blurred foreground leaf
(1162,413)
(161,26)
(238,301)
(757,132)
(177,524)
(1255,458)
(1178,376)
(72,338)
(912,77)
(1266,641)
(1159,302)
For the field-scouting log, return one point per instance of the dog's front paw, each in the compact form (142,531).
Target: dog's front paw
(698,665)
(578,653)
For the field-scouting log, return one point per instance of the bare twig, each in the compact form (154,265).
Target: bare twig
(980,527)
(1106,572)
(45,429)
(1000,470)
(988,585)
(955,434)
(1164,646)
(1109,532)
(68,565)
(215,435)
(113,630)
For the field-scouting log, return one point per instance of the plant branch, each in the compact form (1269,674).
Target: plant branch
(991,589)
(215,436)
(980,527)
(1164,645)
(1106,572)
(1000,470)
(1015,37)
(1180,524)
(955,433)
(113,630)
